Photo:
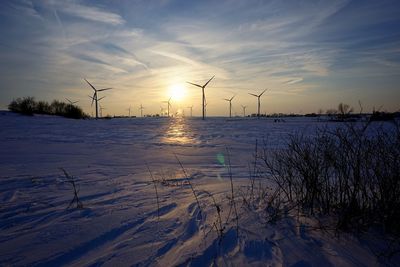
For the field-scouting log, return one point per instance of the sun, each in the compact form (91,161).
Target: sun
(177,92)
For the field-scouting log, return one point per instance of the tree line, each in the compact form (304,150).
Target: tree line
(29,106)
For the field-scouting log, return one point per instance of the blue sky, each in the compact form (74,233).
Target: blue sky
(309,54)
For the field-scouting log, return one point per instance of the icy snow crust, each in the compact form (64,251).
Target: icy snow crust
(120,224)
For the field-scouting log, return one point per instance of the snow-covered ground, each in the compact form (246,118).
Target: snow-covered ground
(120,223)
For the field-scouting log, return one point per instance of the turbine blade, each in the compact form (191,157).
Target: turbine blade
(232,98)
(92,100)
(90,84)
(226,99)
(208,81)
(69,100)
(101,98)
(262,93)
(195,84)
(74,102)
(104,89)
(253,94)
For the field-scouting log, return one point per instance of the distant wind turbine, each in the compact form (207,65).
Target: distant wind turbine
(191,111)
(258,96)
(169,104)
(95,98)
(204,96)
(141,110)
(244,110)
(230,105)
(161,111)
(71,102)
(101,111)
(129,110)
(91,97)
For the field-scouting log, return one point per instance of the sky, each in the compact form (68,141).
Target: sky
(310,55)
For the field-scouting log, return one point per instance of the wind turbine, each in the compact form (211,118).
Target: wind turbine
(169,104)
(230,105)
(244,110)
(97,100)
(141,110)
(101,111)
(71,102)
(258,96)
(191,111)
(94,98)
(204,96)
(129,110)
(161,111)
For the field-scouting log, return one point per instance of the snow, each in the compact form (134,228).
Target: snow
(120,224)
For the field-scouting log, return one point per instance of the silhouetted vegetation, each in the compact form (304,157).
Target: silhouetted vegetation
(72,181)
(351,173)
(344,112)
(28,106)
(25,105)
(383,116)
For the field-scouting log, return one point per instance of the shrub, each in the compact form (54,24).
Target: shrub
(25,105)
(351,173)
(57,107)
(43,107)
(28,106)
(73,112)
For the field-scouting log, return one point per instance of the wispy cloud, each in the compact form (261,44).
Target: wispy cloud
(141,48)
(25,7)
(90,13)
(294,80)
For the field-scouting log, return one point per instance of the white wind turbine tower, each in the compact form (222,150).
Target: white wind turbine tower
(230,105)
(95,98)
(258,96)
(71,102)
(204,96)
(141,110)
(191,111)
(129,110)
(169,104)
(244,110)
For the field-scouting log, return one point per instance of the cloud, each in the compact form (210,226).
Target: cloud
(25,7)
(294,80)
(177,58)
(90,13)
(141,48)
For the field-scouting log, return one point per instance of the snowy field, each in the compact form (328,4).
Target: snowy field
(120,223)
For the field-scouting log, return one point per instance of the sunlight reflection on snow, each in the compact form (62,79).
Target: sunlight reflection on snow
(179,133)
